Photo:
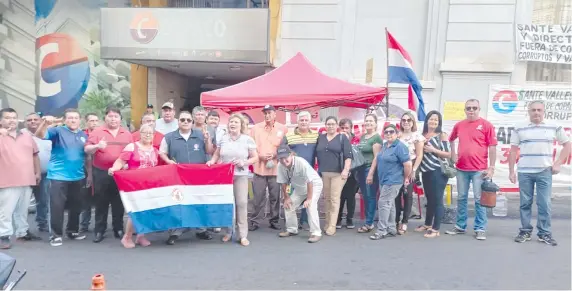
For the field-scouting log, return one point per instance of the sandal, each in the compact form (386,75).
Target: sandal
(127,242)
(226,238)
(365,229)
(244,242)
(422,228)
(142,241)
(403,229)
(432,233)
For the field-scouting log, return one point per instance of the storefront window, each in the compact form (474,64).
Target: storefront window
(550,12)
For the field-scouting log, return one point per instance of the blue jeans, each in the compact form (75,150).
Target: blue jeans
(303,216)
(464,180)
(543,183)
(369,194)
(42,196)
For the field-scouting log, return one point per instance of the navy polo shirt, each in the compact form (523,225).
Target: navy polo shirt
(67,161)
(190,151)
(390,163)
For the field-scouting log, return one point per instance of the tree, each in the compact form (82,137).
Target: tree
(97,101)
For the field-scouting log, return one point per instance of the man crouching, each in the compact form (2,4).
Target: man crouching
(306,187)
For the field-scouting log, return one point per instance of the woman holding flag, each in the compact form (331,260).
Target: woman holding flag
(137,155)
(238,148)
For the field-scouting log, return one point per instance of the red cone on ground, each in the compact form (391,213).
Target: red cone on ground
(98,282)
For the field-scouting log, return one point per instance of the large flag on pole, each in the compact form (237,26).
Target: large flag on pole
(178,196)
(400,70)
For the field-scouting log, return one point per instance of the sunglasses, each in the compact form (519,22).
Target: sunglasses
(406,120)
(389,132)
(471,108)
(189,120)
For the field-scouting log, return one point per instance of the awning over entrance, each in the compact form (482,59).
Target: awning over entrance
(295,85)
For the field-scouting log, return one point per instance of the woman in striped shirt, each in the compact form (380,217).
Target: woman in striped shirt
(434,181)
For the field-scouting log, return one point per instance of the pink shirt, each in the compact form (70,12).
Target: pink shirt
(17,160)
(138,158)
(475,138)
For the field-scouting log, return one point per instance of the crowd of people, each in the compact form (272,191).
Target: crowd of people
(68,168)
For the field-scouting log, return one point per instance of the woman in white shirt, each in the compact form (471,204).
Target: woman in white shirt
(238,148)
(415,142)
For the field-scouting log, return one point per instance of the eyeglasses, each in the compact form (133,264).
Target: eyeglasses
(389,132)
(471,108)
(331,124)
(406,120)
(189,120)
(146,133)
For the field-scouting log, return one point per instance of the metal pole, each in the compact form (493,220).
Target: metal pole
(387,74)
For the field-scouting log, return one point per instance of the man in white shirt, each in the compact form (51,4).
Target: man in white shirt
(167,123)
(40,191)
(307,188)
(536,166)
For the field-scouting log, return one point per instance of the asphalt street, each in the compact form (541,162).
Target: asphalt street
(346,261)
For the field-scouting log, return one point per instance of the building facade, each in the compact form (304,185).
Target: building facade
(459,47)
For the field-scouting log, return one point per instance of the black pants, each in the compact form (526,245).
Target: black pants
(403,203)
(88,202)
(64,193)
(434,184)
(348,197)
(106,193)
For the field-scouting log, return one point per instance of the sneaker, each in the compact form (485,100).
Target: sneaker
(350,224)
(314,238)
(56,241)
(480,235)
(76,236)
(286,234)
(5,243)
(547,239)
(523,236)
(29,237)
(217,229)
(455,230)
(339,225)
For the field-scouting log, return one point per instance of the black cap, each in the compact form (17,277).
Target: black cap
(149,106)
(283,152)
(268,108)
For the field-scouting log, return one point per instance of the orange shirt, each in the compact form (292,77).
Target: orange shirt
(267,141)
(104,159)
(17,160)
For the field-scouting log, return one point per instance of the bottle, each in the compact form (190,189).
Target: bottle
(501,208)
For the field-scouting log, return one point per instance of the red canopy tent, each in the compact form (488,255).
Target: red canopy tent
(295,85)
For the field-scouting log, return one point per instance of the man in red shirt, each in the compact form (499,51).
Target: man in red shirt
(105,143)
(91,122)
(477,143)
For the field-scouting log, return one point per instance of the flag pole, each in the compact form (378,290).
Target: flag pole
(387,74)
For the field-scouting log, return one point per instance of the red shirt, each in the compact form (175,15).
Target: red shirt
(157,138)
(475,138)
(104,159)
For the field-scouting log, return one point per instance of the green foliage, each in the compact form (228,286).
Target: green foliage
(97,101)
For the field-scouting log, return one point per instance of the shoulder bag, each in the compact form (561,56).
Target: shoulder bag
(447,165)
(357,158)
